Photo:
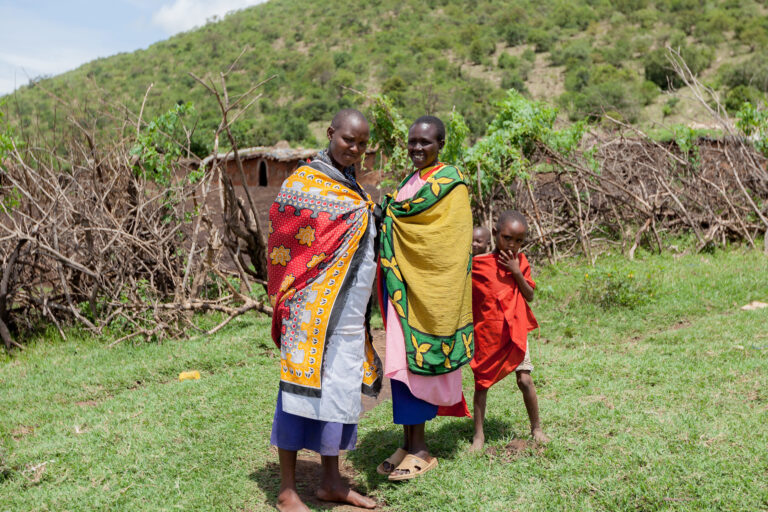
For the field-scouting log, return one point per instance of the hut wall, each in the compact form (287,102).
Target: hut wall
(278,171)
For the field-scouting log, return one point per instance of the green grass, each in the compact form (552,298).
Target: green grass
(660,407)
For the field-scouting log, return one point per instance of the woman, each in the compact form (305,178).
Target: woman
(426,296)
(321,271)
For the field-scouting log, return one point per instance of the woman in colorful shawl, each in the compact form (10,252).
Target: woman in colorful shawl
(425,291)
(322,265)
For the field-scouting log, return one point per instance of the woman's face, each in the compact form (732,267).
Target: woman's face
(347,143)
(423,145)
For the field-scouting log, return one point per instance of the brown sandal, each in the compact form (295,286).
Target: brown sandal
(415,466)
(394,459)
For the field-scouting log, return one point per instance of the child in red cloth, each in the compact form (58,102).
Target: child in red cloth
(502,287)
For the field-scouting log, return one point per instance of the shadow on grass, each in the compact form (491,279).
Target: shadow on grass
(308,475)
(444,439)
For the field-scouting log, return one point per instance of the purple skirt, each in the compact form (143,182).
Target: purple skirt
(294,433)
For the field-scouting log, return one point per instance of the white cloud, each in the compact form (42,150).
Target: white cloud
(183,15)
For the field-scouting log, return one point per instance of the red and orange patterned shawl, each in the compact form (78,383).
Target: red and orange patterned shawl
(316,225)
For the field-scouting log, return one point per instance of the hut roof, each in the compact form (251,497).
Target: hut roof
(280,154)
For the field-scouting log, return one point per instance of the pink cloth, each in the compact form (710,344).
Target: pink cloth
(439,389)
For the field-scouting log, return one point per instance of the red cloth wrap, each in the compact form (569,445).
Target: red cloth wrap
(502,319)
(328,238)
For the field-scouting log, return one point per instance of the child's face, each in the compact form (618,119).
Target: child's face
(481,241)
(511,236)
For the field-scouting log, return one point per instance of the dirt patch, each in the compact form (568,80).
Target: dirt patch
(22,431)
(681,324)
(600,399)
(308,474)
(515,449)
(87,403)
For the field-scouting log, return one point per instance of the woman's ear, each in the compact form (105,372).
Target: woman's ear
(330,132)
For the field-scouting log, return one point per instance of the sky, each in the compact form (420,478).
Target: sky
(47,37)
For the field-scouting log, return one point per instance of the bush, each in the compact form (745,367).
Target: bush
(573,15)
(480,48)
(659,70)
(529,55)
(572,53)
(753,123)
(741,94)
(617,54)
(648,92)
(616,289)
(516,33)
(514,64)
(646,18)
(669,106)
(577,79)
(511,79)
(754,32)
(753,72)
(542,39)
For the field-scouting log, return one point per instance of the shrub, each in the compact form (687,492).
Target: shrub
(542,39)
(741,94)
(753,123)
(646,18)
(572,53)
(516,33)
(529,55)
(591,92)
(515,65)
(669,106)
(480,48)
(615,289)
(752,72)
(618,53)
(573,15)
(340,59)
(753,32)
(659,70)
(511,79)
(577,79)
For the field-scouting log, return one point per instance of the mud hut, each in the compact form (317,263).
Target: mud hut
(269,166)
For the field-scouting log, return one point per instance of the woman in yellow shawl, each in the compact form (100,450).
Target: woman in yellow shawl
(426,295)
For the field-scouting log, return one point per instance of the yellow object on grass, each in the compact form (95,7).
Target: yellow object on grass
(191,375)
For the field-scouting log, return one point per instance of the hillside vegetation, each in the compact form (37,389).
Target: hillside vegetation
(588,56)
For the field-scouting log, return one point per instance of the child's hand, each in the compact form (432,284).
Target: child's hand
(510,261)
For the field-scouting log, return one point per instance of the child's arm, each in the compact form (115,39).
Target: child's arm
(511,262)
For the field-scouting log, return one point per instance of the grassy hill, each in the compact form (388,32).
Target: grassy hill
(430,56)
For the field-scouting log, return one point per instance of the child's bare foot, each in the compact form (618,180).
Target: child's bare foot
(288,501)
(343,494)
(478,442)
(539,436)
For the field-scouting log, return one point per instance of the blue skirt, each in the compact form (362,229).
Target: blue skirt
(294,433)
(407,409)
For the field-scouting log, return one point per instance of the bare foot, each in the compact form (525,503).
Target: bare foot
(478,442)
(539,436)
(288,501)
(345,495)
